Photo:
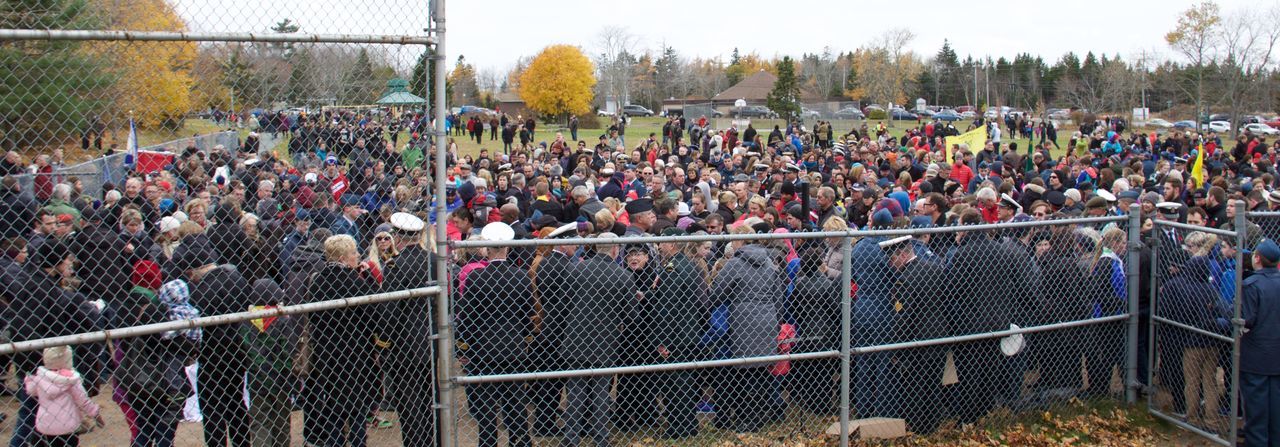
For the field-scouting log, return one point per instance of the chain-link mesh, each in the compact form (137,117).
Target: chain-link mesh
(251,155)
(611,343)
(1194,281)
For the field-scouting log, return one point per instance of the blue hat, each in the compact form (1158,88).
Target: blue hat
(922,222)
(1268,250)
(882,218)
(303,214)
(350,200)
(1128,194)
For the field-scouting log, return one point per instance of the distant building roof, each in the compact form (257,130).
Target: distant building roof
(401,98)
(508,97)
(754,88)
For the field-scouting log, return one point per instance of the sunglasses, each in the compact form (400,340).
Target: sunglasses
(382,238)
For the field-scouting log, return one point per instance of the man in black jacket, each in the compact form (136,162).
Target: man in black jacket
(411,355)
(224,358)
(17,212)
(494,316)
(555,279)
(920,314)
(675,307)
(601,297)
(41,309)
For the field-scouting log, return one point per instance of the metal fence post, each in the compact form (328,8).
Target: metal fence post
(1151,328)
(444,325)
(1237,325)
(1132,276)
(846,334)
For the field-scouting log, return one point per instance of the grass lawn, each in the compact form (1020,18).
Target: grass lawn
(640,128)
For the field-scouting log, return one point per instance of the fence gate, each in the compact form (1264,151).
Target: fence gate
(1194,350)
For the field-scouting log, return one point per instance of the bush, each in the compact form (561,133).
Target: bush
(589,121)
(878,115)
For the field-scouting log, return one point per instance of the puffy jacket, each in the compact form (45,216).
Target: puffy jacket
(749,289)
(63,401)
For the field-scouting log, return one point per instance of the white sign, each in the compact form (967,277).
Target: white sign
(1141,114)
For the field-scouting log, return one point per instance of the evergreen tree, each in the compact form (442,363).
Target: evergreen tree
(734,72)
(356,82)
(300,89)
(423,80)
(49,90)
(785,97)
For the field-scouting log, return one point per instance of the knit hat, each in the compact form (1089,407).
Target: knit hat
(146,274)
(58,358)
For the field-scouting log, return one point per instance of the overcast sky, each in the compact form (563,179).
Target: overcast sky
(494,33)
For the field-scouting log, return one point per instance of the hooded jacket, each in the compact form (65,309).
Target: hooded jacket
(63,401)
(749,289)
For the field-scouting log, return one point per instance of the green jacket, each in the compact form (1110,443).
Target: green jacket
(59,206)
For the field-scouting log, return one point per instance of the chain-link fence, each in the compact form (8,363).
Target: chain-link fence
(90,177)
(1193,355)
(709,339)
(206,298)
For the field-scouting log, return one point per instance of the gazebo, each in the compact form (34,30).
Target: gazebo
(398,95)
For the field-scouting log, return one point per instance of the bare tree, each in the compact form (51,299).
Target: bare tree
(1195,37)
(614,46)
(1247,43)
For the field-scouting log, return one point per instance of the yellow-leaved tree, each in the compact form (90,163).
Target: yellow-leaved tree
(154,79)
(558,82)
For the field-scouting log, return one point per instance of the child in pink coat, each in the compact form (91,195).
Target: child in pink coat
(63,401)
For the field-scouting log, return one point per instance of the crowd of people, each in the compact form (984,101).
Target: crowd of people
(350,212)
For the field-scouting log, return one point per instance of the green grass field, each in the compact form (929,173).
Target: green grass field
(640,128)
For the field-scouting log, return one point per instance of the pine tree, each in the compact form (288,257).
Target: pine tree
(423,81)
(734,72)
(785,97)
(49,90)
(357,88)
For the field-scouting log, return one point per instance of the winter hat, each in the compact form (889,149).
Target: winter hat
(58,358)
(146,274)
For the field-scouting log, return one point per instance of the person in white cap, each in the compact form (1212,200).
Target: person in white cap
(411,350)
(493,322)
(919,315)
(602,296)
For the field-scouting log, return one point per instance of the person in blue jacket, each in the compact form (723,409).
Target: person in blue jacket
(1260,348)
(874,384)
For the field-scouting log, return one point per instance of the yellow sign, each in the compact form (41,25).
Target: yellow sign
(976,139)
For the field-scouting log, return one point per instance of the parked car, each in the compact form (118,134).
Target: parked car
(1274,122)
(924,112)
(947,115)
(1217,126)
(1184,125)
(850,113)
(809,114)
(636,110)
(603,112)
(991,113)
(968,114)
(1159,123)
(753,112)
(902,114)
(1059,114)
(963,109)
(872,107)
(1260,129)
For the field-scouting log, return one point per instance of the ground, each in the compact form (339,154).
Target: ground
(1102,423)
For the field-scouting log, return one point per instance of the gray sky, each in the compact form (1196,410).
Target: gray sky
(494,33)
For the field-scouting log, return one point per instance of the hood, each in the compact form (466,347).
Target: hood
(1197,269)
(52,383)
(266,291)
(755,255)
